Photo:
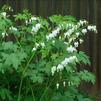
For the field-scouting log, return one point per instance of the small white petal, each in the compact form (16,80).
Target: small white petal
(60,67)
(84,31)
(42,44)
(81,40)
(3,14)
(64,83)
(57,85)
(37,45)
(34,49)
(33,18)
(76,44)
(53,70)
(77,34)
(53,41)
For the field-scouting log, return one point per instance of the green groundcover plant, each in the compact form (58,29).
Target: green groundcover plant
(39,58)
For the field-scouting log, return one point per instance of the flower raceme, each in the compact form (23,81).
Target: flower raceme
(31,20)
(13,28)
(37,45)
(63,64)
(53,34)
(92,28)
(36,27)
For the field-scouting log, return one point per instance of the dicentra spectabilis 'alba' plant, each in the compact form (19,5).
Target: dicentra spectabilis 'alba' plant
(40,56)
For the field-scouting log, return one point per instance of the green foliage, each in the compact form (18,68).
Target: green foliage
(39,57)
(82,57)
(5,94)
(71,94)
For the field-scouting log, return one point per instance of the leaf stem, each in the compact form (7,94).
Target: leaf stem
(19,93)
(47,89)
(32,93)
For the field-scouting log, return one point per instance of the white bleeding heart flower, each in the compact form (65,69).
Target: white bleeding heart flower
(76,44)
(84,31)
(71,49)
